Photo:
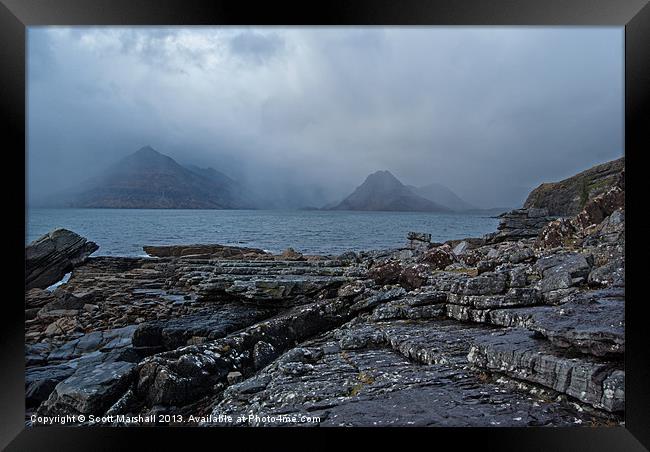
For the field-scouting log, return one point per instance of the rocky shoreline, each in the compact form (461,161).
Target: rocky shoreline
(521,327)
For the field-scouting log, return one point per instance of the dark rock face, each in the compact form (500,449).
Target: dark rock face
(204,325)
(91,389)
(592,323)
(568,197)
(48,366)
(183,375)
(50,257)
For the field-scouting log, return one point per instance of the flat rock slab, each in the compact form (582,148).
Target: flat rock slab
(319,383)
(96,340)
(591,322)
(91,389)
(517,354)
(281,283)
(221,251)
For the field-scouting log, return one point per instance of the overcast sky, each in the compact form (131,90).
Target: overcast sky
(489,112)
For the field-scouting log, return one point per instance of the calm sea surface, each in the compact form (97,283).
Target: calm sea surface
(123,232)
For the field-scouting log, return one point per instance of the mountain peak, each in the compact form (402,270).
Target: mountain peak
(382,174)
(149,179)
(147,150)
(147,156)
(383,180)
(383,191)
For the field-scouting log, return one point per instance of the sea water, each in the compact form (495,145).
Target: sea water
(123,232)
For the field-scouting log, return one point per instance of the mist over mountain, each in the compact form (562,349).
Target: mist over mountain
(301,115)
(381,191)
(442,195)
(148,179)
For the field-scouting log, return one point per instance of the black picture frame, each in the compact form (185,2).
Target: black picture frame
(16,15)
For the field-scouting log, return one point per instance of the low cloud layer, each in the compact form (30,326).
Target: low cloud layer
(489,112)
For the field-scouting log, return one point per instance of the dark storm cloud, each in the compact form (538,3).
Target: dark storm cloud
(489,112)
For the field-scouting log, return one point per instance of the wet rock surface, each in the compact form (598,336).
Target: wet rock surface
(405,374)
(522,327)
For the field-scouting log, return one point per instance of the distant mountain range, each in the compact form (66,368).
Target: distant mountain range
(148,179)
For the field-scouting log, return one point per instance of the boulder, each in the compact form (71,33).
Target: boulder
(386,272)
(90,390)
(439,257)
(610,274)
(558,233)
(599,208)
(414,276)
(291,255)
(50,257)
(562,271)
(419,236)
(61,326)
(461,248)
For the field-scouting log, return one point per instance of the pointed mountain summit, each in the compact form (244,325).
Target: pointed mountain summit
(148,179)
(382,191)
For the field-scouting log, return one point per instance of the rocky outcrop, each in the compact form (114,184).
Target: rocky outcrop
(592,322)
(50,257)
(267,283)
(517,354)
(200,326)
(520,224)
(216,251)
(571,232)
(569,196)
(183,375)
(516,331)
